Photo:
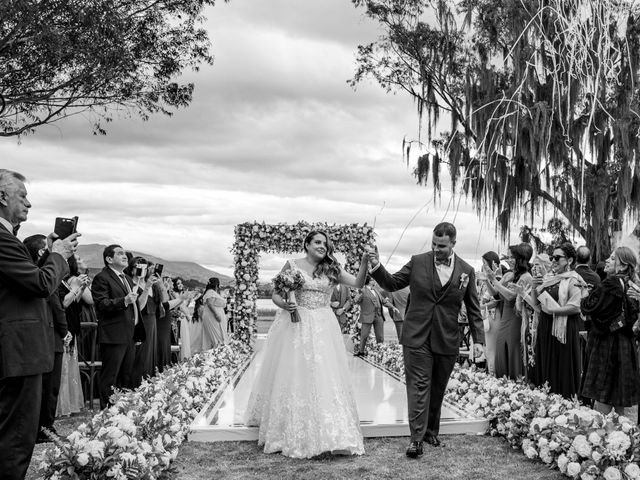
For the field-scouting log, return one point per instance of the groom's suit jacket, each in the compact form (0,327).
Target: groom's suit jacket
(434,308)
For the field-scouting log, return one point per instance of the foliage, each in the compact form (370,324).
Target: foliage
(252,238)
(138,437)
(541,99)
(67,57)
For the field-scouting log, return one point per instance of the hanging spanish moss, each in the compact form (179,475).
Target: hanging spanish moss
(539,97)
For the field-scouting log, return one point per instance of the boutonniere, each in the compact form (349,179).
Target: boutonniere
(464,281)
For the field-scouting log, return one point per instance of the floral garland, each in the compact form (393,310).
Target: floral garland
(252,238)
(139,435)
(579,441)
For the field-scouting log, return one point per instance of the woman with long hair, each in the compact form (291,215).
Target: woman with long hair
(509,351)
(491,306)
(142,273)
(557,350)
(302,399)
(611,376)
(213,317)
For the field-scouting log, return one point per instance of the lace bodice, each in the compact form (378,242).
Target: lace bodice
(315,293)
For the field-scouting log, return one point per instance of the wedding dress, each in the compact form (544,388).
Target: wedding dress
(302,398)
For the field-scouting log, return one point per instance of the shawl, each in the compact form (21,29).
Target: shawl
(566,280)
(605,304)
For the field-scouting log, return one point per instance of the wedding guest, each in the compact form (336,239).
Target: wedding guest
(231,309)
(530,310)
(23,292)
(341,303)
(119,325)
(583,257)
(169,302)
(509,352)
(371,315)
(214,320)
(611,374)
(196,330)
(397,306)
(439,283)
(77,301)
(557,351)
(184,327)
(491,306)
(37,247)
(141,272)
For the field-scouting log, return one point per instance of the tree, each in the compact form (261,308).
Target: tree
(64,57)
(541,98)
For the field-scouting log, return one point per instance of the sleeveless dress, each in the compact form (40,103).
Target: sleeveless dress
(302,399)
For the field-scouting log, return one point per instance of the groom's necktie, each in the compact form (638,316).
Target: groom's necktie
(15,229)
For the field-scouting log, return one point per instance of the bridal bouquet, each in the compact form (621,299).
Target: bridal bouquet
(285,284)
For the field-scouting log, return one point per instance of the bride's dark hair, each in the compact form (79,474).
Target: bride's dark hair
(328,266)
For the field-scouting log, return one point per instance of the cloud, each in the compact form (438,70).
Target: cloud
(274,134)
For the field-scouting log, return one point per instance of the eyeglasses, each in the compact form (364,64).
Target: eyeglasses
(556,258)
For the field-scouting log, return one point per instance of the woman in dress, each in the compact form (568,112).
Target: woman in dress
(142,273)
(213,317)
(557,350)
(77,301)
(491,307)
(611,372)
(302,399)
(169,301)
(508,360)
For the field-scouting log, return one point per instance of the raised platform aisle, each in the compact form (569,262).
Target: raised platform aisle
(380,397)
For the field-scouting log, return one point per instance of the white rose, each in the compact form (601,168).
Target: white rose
(597,456)
(563,461)
(530,452)
(561,420)
(83,459)
(587,476)
(612,473)
(573,469)
(595,438)
(553,445)
(632,470)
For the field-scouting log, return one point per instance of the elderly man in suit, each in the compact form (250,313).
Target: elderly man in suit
(340,303)
(25,349)
(439,282)
(371,315)
(115,300)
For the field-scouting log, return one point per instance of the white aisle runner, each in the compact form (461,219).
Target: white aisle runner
(381,401)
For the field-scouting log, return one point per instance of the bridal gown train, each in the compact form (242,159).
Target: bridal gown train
(302,399)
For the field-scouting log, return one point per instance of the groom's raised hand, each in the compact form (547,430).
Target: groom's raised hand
(372,253)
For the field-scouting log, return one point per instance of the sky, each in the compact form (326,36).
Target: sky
(274,134)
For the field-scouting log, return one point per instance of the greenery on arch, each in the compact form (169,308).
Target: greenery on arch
(253,238)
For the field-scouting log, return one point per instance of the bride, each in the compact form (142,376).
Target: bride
(302,399)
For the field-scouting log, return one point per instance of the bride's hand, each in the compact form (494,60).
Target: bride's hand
(290,306)
(372,254)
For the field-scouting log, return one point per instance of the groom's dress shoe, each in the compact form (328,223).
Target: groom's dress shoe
(433,441)
(415,450)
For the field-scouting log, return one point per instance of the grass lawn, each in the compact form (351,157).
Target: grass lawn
(464,457)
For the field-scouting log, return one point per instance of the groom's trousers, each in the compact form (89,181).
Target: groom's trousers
(426,376)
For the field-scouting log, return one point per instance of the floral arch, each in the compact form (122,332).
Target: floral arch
(253,238)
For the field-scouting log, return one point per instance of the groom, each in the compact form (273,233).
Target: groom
(439,281)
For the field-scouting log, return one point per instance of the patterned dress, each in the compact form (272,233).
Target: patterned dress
(302,399)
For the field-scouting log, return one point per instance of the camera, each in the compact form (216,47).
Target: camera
(65,227)
(159,269)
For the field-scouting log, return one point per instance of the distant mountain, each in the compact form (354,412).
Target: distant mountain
(92,255)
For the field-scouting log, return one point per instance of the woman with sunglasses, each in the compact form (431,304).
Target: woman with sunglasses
(611,371)
(557,350)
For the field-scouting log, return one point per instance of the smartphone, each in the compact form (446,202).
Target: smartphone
(65,227)
(139,270)
(159,268)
